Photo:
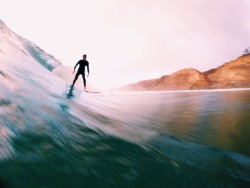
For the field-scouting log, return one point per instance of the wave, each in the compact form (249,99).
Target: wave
(146,139)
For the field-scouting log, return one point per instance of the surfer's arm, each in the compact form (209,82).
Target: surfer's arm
(88,68)
(75,67)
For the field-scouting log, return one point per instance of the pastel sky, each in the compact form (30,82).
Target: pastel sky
(131,40)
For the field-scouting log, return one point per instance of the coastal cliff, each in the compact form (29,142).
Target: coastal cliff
(234,74)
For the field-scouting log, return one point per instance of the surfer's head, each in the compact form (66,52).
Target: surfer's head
(84,56)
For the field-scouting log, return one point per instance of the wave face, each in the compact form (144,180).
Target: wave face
(143,139)
(55,136)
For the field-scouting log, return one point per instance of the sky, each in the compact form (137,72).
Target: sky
(131,40)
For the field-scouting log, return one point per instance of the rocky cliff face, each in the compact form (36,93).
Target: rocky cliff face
(234,74)
(185,79)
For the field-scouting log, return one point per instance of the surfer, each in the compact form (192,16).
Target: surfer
(81,70)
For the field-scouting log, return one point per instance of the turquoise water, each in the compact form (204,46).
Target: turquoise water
(137,139)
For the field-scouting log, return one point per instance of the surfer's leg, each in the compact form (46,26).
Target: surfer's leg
(76,77)
(84,81)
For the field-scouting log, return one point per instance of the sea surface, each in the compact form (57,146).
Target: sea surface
(162,139)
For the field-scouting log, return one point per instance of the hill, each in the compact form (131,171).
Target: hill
(234,74)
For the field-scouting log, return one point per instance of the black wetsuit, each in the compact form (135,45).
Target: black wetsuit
(81,70)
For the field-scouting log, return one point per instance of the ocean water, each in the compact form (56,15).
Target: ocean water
(124,139)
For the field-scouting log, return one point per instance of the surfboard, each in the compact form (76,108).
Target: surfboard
(93,91)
